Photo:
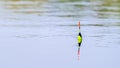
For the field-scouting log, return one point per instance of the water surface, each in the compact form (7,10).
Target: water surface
(34,33)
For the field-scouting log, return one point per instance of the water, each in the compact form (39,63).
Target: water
(43,33)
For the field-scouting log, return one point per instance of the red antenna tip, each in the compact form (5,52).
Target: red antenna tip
(79,23)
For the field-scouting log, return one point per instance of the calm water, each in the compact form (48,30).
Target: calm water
(100,19)
(29,22)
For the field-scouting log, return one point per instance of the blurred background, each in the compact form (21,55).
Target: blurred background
(61,11)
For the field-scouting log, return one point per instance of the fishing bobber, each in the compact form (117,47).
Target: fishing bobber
(79,36)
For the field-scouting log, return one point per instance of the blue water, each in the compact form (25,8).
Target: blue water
(43,33)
